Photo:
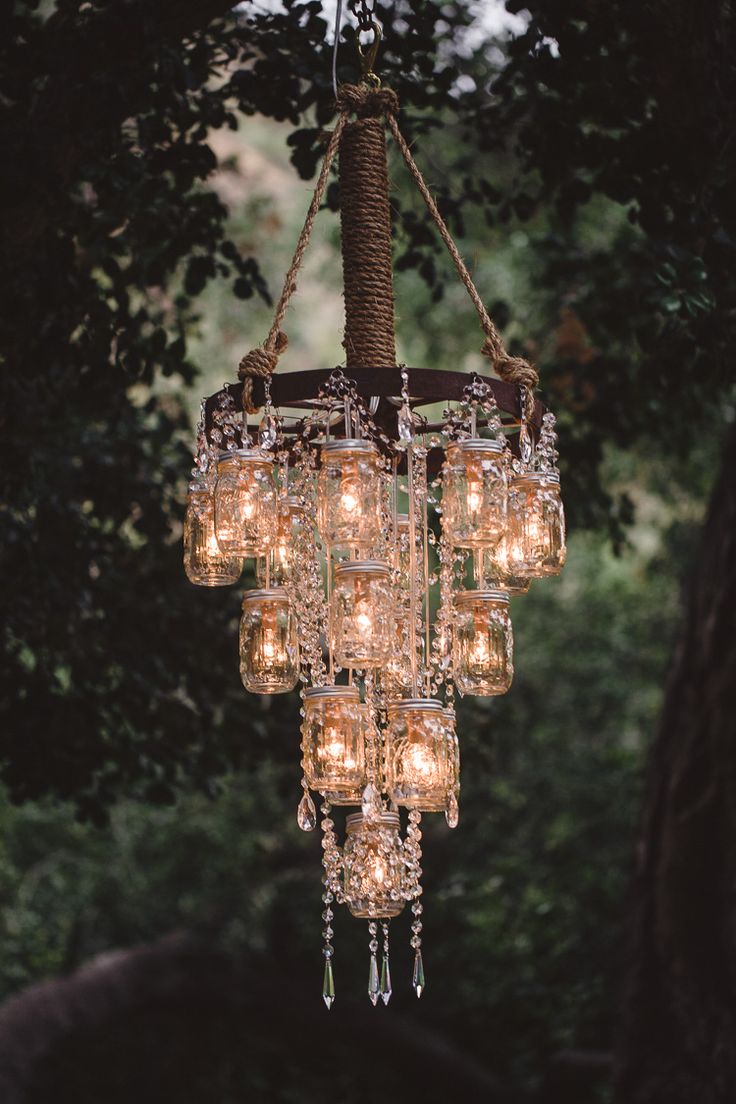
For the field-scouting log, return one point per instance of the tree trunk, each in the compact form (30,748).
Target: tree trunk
(678,1043)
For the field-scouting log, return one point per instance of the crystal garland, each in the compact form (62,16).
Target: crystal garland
(354,547)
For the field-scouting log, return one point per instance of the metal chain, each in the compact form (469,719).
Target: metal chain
(363,12)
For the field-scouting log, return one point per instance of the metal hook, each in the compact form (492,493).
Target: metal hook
(367,56)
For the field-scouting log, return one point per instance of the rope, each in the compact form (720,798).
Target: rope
(365,220)
(261,362)
(512,369)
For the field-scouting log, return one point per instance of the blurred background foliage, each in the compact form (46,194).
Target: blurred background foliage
(151,206)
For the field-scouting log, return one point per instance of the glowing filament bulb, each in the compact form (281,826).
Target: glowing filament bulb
(475,497)
(379,870)
(480,653)
(420,761)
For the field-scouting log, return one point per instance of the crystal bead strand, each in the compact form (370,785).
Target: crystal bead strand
(374,985)
(328,980)
(386,989)
(306,814)
(413,852)
(332,891)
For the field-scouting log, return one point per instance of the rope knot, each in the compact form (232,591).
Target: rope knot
(365,101)
(259,362)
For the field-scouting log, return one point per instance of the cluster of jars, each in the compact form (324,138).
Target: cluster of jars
(515,527)
(422,772)
(237,516)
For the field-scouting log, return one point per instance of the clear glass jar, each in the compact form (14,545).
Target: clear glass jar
(373,861)
(276,568)
(362,614)
(333,741)
(419,770)
(269,647)
(245,502)
(474,492)
(349,494)
(204,563)
(500,570)
(536,524)
(483,642)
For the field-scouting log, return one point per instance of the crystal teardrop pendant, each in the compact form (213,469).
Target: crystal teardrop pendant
(306,814)
(417,977)
(452,813)
(328,984)
(386,988)
(373,981)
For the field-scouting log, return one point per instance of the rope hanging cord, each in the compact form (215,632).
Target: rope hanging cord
(514,370)
(262,360)
(366,233)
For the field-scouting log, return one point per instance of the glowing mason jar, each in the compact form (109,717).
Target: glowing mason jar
(204,563)
(269,648)
(500,566)
(474,492)
(246,516)
(419,768)
(362,614)
(280,558)
(373,860)
(349,494)
(483,642)
(536,524)
(333,741)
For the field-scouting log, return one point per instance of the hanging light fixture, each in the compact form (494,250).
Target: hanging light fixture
(365,512)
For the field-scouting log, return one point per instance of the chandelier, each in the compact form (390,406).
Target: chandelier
(391,514)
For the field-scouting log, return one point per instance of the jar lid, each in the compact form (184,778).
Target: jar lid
(350,444)
(386,820)
(536,478)
(347,692)
(266,592)
(366,567)
(477,444)
(463,596)
(250,455)
(428,705)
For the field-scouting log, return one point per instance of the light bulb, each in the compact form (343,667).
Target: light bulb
(249,507)
(475,497)
(379,870)
(421,761)
(480,652)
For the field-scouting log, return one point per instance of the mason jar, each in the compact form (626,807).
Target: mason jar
(474,492)
(349,490)
(499,566)
(269,647)
(245,502)
(362,613)
(333,743)
(276,567)
(204,562)
(373,861)
(536,524)
(483,642)
(419,768)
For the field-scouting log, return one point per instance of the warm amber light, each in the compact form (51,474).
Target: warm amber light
(333,743)
(482,651)
(474,492)
(245,503)
(269,650)
(349,494)
(374,866)
(362,614)
(204,562)
(419,769)
(537,524)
